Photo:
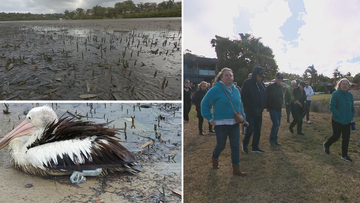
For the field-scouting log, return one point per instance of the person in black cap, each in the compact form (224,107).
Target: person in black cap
(274,102)
(297,108)
(253,95)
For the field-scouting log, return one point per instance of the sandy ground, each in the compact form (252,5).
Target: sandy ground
(159,181)
(116,59)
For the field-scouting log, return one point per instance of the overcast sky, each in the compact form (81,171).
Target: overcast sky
(300,32)
(58,6)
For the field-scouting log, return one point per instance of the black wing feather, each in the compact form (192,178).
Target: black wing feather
(106,151)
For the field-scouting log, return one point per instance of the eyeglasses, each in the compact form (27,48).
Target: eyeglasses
(280,78)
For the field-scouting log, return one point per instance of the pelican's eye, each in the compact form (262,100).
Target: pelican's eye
(29,118)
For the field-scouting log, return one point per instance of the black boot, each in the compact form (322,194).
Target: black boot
(210,129)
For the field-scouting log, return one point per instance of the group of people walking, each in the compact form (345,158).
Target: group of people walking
(220,103)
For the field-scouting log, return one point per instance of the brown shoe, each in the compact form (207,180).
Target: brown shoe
(215,163)
(236,171)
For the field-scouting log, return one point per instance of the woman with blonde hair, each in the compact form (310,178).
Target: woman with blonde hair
(342,112)
(220,98)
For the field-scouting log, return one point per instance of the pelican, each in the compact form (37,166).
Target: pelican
(44,145)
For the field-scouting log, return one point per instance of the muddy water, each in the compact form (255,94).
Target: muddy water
(118,59)
(160,160)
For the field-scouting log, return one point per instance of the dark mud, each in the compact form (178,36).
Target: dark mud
(117,59)
(157,151)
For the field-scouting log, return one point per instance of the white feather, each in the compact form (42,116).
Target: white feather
(77,150)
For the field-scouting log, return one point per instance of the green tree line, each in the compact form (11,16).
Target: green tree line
(126,9)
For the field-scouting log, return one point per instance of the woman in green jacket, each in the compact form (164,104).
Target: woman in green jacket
(342,112)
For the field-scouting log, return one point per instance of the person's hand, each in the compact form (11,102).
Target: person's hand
(246,123)
(299,103)
(212,123)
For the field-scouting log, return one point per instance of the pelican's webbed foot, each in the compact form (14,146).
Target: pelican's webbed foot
(79,177)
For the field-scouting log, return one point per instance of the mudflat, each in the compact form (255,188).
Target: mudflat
(108,59)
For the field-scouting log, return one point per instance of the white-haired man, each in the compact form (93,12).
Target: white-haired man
(309,92)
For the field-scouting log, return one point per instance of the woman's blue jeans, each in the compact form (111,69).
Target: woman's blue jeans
(222,132)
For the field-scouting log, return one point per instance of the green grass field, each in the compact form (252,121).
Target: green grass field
(321,96)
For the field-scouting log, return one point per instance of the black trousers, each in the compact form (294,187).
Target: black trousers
(187,108)
(201,121)
(339,129)
(298,116)
(307,110)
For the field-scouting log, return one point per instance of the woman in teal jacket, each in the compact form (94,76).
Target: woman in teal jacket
(222,116)
(342,111)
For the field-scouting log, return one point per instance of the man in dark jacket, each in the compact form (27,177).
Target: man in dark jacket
(274,102)
(288,96)
(297,108)
(253,95)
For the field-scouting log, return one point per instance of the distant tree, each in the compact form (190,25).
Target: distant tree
(66,12)
(99,11)
(129,6)
(337,74)
(291,76)
(242,55)
(140,7)
(166,5)
(311,72)
(72,14)
(322,78)
(150,7)
(79,12)
(89,12)
(110,12)
(356,78)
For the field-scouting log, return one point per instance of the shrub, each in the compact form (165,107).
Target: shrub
(320,88)
(320,106)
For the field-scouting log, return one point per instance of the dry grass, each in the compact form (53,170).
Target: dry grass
(297,171)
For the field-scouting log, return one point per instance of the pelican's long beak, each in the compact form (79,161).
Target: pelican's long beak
(25,128)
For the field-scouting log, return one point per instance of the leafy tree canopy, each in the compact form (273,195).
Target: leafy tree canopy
(357,78)
(242,55)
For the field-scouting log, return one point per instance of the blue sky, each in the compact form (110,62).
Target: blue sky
(301,33)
